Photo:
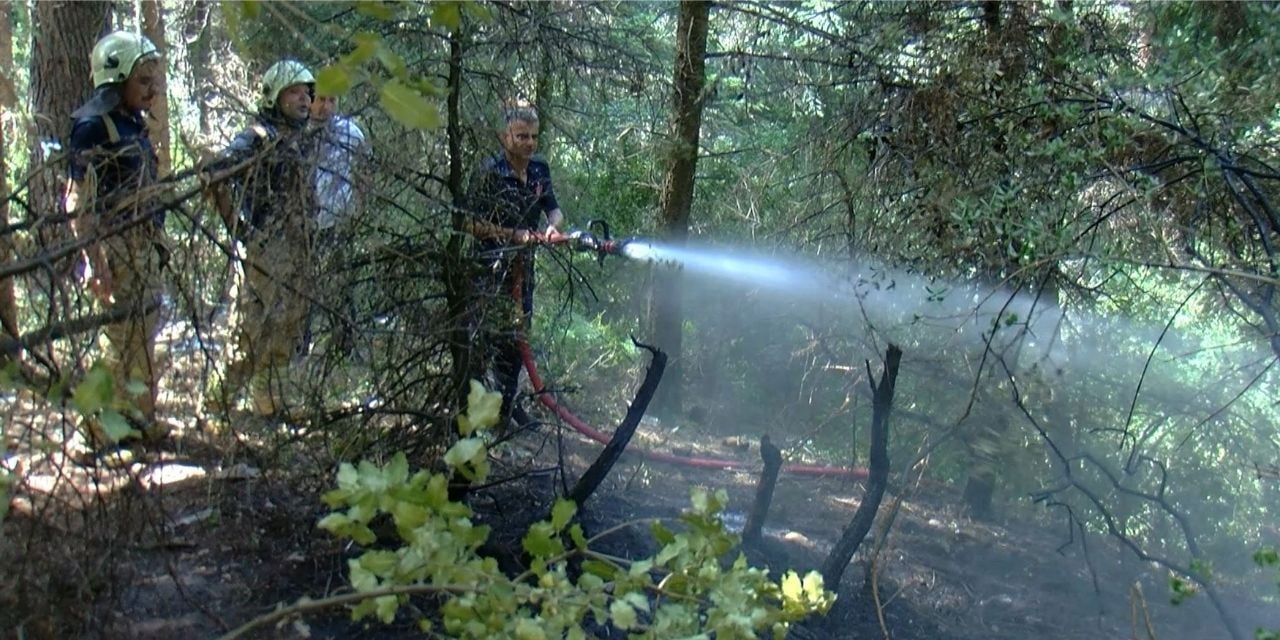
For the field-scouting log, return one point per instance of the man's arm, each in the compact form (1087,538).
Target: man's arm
(242,147)
(481,207)
(83,226)
(551,205)
(87,135)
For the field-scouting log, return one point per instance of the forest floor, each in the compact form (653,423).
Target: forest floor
(232,543)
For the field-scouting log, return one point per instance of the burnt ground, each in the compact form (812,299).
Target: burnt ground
(231,543)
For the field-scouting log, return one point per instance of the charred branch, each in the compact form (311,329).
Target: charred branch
(764,490)
(599,469)
(851,539)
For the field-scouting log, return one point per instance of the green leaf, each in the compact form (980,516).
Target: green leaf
(410,109)
(397,472)
(116,427)
(376,9)
(334,523)
(527,629)
(622,615)
(392,62)
(579,538)
(366,48)
(386,608)
(600,569)
(541,541)
(1266,557)
(333,80)
(698,496)
(814,589)
(483,408)
(95,391)
(562,512)
(464,451)
(409,516)
(661,534)
(447,14)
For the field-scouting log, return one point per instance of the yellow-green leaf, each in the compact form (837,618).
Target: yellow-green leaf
(622,615)
(376,9)
(333,80)
(392,61)
(366,47)
(792,589)
(116,426)
(562,512)
(483,407)
(447,14)
(527,629)
(409,108)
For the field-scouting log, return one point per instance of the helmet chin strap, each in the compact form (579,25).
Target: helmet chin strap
(105,99)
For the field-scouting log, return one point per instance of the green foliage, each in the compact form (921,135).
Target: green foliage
(685,590)
(95,397)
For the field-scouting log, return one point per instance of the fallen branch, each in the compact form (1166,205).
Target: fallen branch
(10,346)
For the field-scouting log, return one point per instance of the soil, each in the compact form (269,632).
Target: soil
(234,543)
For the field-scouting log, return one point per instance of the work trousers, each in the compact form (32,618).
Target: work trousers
(273,315)
(507,322)
(134,260)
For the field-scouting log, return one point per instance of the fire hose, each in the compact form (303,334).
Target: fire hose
(603,244)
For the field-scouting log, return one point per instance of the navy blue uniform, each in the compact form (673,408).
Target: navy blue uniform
(122,161)
(497,196)
(276,192)
(115,151)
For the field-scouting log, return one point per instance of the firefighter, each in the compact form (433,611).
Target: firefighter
(271,211)
(112,165)
(509,196)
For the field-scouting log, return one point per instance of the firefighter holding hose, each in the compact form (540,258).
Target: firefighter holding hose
(510,195)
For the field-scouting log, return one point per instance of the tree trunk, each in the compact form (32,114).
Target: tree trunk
(8,101)
(465,357)
(665,313)
(63,34)
(152,19)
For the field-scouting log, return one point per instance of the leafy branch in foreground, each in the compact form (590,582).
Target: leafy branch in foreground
(685,590)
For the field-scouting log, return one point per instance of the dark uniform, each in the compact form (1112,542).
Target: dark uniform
(497,196)
(112,156)
(276,208)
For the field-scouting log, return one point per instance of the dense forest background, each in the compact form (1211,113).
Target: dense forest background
(1065,213)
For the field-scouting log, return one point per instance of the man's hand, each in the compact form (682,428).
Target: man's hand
(101,285)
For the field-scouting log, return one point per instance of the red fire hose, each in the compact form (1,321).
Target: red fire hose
(549,401)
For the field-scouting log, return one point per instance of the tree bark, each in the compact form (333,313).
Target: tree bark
(152,14)
(8,102)
(851,539)
(665,310)
(63,35)
(465,357)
